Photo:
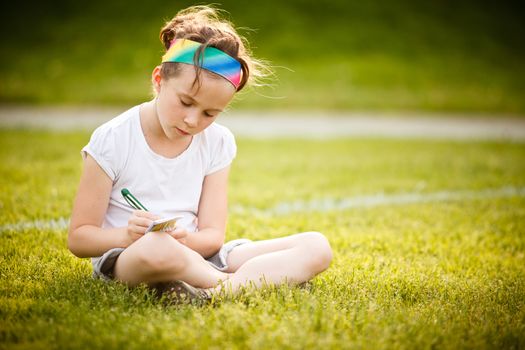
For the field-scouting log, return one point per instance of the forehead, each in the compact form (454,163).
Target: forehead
(210,86)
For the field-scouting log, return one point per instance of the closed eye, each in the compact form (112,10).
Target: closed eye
(185,103)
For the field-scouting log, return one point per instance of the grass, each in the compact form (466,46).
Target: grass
(447,274)
(465,56)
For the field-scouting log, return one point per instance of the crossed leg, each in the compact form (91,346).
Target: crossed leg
(158,257)
(292,259)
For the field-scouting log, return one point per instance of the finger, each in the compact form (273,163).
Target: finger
(144,222)
(153,216)
(145,214)
(140,230)
(139,212)
(178,233)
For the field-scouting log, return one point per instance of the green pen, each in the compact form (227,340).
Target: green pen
(134,202)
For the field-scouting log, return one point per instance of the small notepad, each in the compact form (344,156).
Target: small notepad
(164,225)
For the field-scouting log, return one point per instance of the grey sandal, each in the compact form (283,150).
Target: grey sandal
(180,292)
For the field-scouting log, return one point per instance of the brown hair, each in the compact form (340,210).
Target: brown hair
(204,24)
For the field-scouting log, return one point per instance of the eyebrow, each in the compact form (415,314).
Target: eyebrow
(194,100)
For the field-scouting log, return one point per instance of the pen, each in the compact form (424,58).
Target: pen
(134,202)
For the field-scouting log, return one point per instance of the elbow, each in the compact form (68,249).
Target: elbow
(214,245)
(73,244)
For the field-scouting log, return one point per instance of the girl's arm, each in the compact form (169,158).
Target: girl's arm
(213,212)
(86,238)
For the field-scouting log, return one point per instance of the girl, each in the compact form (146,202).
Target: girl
(175,159)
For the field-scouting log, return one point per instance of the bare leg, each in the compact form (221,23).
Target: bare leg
(293,259)
(158,257)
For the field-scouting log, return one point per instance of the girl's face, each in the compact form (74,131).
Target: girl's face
(183,110)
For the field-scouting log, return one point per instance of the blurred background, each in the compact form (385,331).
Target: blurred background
(461,56)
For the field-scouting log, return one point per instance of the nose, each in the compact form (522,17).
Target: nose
(192,118)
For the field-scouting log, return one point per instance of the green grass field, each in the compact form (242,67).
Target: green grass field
(439,274)
(466,56)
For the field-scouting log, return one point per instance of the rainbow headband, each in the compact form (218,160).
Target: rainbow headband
(213,59)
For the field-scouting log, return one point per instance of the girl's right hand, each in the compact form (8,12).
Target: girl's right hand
(138,223)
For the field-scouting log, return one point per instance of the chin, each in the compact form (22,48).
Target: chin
(170,133)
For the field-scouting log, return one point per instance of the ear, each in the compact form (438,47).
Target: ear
(156,79)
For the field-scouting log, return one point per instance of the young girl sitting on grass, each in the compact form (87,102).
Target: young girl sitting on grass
(175,159)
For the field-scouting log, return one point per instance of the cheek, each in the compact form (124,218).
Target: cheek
(168,110)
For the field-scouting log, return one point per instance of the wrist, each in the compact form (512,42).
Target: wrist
(125,237)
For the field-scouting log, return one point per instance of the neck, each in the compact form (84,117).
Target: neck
(149,120)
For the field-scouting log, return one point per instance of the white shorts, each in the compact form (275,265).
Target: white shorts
(104,265)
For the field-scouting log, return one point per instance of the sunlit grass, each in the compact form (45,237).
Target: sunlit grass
(439,274)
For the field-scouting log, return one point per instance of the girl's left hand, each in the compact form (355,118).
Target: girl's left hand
(179,234)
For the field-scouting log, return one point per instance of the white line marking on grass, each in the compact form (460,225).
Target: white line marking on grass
(53,224)
(321,205)
(332,204)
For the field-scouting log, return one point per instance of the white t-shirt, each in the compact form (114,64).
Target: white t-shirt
(165,186)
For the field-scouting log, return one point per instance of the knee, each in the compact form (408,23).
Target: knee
(158,254)
(319,250)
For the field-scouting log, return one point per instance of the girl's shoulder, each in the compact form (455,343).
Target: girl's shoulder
(122,123)
(115,136)
(218,133)
(110,143)
(220,147)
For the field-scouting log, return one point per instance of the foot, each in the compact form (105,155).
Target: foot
(180,292)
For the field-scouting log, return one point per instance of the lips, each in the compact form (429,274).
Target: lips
(182,131)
